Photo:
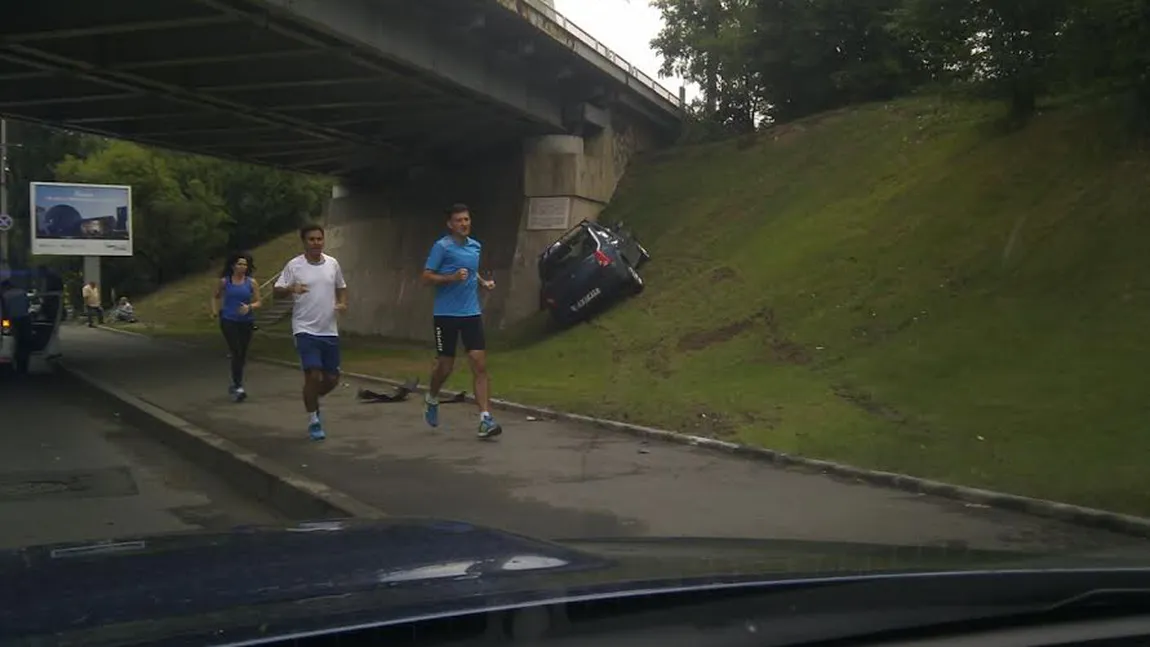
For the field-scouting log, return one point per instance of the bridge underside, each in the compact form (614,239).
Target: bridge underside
(243,79)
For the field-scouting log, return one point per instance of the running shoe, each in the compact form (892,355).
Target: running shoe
(488,428)
(315,431)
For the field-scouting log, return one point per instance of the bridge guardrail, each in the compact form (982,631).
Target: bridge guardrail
(606,52)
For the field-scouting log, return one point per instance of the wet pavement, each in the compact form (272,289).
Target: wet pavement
(544,478)
(72,470)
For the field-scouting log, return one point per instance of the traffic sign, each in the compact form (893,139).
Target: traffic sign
(6,222)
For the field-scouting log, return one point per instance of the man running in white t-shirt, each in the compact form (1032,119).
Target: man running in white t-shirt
(315,282)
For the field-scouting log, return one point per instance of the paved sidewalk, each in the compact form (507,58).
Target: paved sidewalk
(543,478)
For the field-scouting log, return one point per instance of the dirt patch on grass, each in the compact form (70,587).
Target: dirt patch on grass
(782,349)
(706,338)
(869,404)
(724,273)
(790,352)
(657,362)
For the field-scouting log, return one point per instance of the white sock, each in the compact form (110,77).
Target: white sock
(313,417)
(431,399)
(484,416)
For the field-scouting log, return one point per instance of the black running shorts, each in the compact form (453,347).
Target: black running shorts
(449,329)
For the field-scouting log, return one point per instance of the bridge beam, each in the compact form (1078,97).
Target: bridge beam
(413,39)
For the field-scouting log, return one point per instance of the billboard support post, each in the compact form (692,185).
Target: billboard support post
(92,271)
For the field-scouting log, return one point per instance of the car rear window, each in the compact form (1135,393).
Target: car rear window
(575,245)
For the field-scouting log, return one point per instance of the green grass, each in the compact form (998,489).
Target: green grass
(900,286)
(182,308)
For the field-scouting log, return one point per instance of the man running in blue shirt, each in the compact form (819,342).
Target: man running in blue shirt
(453,268)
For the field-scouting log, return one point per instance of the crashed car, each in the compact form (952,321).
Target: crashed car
(590,268)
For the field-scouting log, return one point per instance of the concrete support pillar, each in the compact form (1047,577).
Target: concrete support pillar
(521,197)
(558,193)
(566,179)
(382,235)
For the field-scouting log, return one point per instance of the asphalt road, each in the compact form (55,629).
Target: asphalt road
(71,470)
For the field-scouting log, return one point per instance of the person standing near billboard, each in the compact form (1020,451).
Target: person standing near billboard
(93,303)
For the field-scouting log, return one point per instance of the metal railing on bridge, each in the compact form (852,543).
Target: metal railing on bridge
(605,52)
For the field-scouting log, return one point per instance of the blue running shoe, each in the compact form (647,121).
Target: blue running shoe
(488,428)
(315,431)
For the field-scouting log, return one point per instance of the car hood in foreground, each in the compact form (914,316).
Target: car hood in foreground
(261,581)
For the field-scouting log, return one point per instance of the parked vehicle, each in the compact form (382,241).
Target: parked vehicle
(46,297)
(589,269)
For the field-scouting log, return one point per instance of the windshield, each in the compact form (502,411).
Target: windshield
(299,294)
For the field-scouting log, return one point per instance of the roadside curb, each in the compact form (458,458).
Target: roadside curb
(291,493)
(1079,515)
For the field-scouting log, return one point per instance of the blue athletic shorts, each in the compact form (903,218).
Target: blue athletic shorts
(318,353)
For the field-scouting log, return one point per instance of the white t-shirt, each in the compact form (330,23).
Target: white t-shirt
(313,311)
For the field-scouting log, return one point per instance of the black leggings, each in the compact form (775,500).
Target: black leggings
(238,334)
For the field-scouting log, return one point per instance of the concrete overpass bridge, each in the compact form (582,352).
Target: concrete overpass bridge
(413,105)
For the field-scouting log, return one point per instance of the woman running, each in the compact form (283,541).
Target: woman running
(236,297)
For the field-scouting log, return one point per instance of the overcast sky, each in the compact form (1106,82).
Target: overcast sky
(625,26)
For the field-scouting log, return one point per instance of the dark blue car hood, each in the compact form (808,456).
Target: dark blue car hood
(63,588)
(254,583)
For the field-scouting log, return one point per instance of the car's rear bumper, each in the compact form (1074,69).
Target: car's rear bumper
(611,284)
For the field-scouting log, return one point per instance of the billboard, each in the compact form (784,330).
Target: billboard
(81,219)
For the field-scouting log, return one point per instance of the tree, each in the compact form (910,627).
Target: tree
(779,60)
(1009,46)
(189,209)
(178,222)
(262,201)
(816,55)
(1109,40)
(33,153)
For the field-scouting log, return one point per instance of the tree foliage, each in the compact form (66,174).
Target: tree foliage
(186,209)
(778,60)
(33,153)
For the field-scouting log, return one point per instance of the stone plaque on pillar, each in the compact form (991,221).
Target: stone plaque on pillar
(548,213)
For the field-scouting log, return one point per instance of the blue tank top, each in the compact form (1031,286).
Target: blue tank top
(234,296)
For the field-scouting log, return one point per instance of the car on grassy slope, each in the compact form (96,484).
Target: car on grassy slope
(588,269)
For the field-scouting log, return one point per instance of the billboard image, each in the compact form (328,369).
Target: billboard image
(81,219)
